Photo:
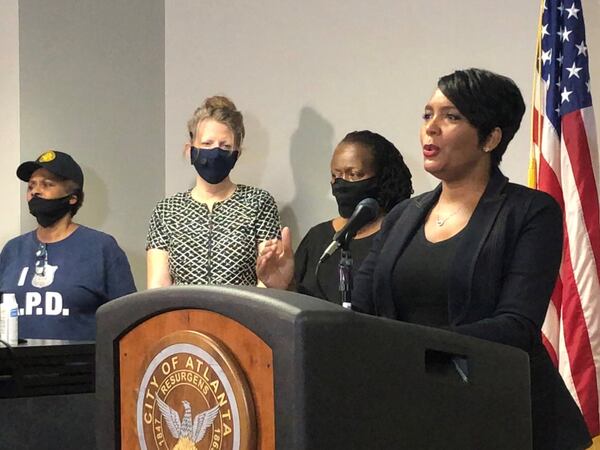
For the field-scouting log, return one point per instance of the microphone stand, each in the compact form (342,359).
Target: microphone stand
(345,273)
(366,211)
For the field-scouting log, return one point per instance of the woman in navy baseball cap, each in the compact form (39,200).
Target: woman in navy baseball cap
(54,189)
(62,271)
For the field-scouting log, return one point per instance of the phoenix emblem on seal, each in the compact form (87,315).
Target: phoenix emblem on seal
(188,432)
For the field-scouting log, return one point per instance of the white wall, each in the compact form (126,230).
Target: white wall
(92,85)
(9,120)
(306,73)
(592,30)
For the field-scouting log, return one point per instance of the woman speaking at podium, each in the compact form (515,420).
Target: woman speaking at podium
(478,255)
(364,164)
(211,234)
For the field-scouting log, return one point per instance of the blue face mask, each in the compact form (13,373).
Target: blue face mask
(213,164)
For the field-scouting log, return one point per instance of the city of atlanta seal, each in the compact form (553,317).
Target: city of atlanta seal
(194,396)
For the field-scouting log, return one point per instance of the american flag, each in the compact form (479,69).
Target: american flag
(564,163)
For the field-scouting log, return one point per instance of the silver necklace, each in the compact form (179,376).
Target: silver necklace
(439,221)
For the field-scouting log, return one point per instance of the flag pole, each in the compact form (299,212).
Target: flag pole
(532,177)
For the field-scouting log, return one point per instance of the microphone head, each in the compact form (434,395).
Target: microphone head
(365,212)
(368,206)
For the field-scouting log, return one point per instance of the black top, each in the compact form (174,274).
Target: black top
(308,253)
(420,280)
(499,286)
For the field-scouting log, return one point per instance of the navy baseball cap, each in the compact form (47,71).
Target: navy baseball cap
(58,163)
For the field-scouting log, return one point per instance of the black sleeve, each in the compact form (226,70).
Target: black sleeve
(528,283)
(301,260)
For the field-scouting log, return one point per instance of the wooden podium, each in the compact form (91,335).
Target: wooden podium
(247,368)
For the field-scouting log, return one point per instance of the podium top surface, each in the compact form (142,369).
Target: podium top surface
(272,314)
(48,343)
(47,347)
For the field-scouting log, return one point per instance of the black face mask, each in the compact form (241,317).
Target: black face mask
(213,164)
(349,193)
(49,211)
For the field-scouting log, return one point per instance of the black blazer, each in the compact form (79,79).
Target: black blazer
(499,287)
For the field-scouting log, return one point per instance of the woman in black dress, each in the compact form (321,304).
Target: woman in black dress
(478,255)
(364,164)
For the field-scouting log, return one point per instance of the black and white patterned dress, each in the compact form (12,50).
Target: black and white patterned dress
(218,247)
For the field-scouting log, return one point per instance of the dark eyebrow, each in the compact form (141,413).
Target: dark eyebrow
(443,108)
(50,177)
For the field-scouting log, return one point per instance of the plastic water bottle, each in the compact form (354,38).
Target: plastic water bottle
(9,319)
(3,322)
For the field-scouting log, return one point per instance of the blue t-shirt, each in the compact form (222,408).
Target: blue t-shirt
(82,272)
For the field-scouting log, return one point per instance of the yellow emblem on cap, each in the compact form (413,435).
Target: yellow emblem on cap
(47,157)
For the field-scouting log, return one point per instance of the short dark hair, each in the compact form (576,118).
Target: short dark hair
(74,189)
(487,100)
(394,177)
(80,195)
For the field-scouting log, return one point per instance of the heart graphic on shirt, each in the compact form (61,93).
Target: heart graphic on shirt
(45,280)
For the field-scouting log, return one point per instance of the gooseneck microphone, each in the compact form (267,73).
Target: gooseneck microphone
(366,211)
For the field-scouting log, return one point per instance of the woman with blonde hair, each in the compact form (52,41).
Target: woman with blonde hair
(211,234)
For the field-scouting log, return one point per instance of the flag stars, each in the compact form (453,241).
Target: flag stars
(581,49)
(564,34)
(572,11)
(574,70)
(561,68)
(564,95)
(546,56)
(545,31)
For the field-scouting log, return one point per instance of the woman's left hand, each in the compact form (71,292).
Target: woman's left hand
(275,262)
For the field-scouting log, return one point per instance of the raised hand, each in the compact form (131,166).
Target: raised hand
(275,262)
